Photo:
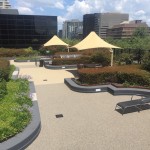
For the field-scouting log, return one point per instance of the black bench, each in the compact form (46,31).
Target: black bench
(133,103)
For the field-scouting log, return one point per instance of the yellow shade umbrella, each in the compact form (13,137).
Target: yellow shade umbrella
(93,41)
(55,41)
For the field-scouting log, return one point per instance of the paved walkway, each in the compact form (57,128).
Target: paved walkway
(89,121)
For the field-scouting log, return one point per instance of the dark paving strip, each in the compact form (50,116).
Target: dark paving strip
(59,115)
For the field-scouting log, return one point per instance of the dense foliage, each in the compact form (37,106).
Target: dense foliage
(87,57)
(14,102)
(3,88)
(101,57)
(4,69)
(125,58)
(146,61)
(137,45)
(14,113)
(118,74)
(71,61)
(5,52)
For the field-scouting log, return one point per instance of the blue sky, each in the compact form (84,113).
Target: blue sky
(75,9)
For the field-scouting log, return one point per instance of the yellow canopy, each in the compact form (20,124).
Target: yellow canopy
(93,41)
(55,41)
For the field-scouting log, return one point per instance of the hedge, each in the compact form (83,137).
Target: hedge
(71,61)
(146,61)
(4,76)
(4,69)
(12,52)
(3,88)
(101,57)
(5,52)
(87,57)
(131,74)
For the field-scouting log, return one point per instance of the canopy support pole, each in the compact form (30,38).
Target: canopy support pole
(68,48)
(111,51)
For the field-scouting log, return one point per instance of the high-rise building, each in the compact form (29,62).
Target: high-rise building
(5,8)
(72,29)
(100,22)
(88,24)
(126,29)
(22,31)
(60,33)
(4,4)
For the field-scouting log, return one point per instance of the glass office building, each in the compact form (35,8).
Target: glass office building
(100,22)
(22,31)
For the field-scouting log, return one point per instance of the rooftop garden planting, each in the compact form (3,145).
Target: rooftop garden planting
(14,113)
(127,75)
(86,57)
(14,102)
(27,53)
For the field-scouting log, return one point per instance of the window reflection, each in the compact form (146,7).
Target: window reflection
(19,31)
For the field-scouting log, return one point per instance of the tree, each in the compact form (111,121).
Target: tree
(141,32)
(146,61)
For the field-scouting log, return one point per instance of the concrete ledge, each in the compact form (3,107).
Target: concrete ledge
(24,60)
(15,73)
(105,88)
(25,138)
(60,67)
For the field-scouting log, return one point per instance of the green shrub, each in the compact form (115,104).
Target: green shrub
(12,69)
(88,57)
(4,69)
(30,52)
(6,52)
(102,58)
(31,58)
(3,88)
(71,61)
(117,74)
(14,113)
(146,61)
(126,58)
(11,52)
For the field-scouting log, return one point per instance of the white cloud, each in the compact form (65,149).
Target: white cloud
(75,9)
(78,9)
(135,8)
(140,12)
(24,4)
(61,19)
(58,4)
(25,10)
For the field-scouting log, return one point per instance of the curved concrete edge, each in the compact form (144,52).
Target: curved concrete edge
(60,67)
(28,135)
(105,88)
(15,73)
(24,60)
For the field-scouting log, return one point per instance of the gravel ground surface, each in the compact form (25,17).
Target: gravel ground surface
(89,120)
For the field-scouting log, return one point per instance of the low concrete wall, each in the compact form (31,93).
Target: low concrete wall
(25,138)
(105,88)
(24,60)
(60,67)
(15,73)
